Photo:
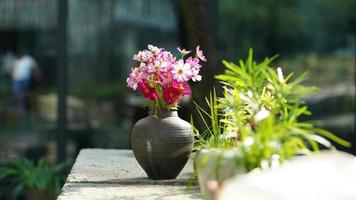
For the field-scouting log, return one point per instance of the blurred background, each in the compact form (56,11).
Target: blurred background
(80,53)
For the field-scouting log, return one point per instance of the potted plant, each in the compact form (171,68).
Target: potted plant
(162,142)
(255,124)
(41,181)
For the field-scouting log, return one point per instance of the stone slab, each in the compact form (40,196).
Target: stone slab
(87,191)
(116,166)
(115,174)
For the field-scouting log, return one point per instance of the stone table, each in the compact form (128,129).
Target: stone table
(103,174)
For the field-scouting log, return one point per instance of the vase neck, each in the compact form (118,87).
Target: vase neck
(165,113)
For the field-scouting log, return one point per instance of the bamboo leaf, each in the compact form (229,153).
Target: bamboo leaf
(331,136)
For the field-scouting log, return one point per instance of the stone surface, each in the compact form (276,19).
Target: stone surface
(79,191)
(115,174)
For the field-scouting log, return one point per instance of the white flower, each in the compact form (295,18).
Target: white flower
(280,75)
(261,115)
(250,93)
(244,98)
(249,141)
(275,161)
(248,101)
(182,71)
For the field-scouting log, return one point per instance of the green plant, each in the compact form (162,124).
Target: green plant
(216,126)
(24,174)
(258,115)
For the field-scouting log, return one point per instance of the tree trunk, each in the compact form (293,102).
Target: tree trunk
(199,19)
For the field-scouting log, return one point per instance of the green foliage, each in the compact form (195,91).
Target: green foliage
(258,114)
(212,136)
(286,26)
(23,174)
(4,92)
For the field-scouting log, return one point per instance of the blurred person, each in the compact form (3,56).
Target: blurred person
(22,71)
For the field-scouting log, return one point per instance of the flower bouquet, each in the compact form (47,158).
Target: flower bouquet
(162,142)
(162,78)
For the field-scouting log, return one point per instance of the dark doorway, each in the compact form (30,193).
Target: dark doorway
(17,41)
(8,41)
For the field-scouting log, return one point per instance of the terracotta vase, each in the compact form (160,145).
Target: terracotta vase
(162,144)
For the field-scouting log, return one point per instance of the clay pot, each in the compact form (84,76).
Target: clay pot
(162,144)
(40,194)
(213,167)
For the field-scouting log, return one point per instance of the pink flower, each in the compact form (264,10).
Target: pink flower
(147,91)
(157,79)
(155,50)
(199,54)
(143,56)
(195,75)
(158,66)
(133,79)
(183,51)
(171,93)
(185,89)
(141,73)
(194,62)
(166,56)
(182,71)
(174,91)
(167,77)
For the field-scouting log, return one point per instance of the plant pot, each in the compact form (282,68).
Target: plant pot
(213,166)
(162,144)
(40,194)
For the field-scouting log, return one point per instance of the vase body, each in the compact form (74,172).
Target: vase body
(162,144)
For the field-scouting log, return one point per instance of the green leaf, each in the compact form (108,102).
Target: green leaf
(331,136)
